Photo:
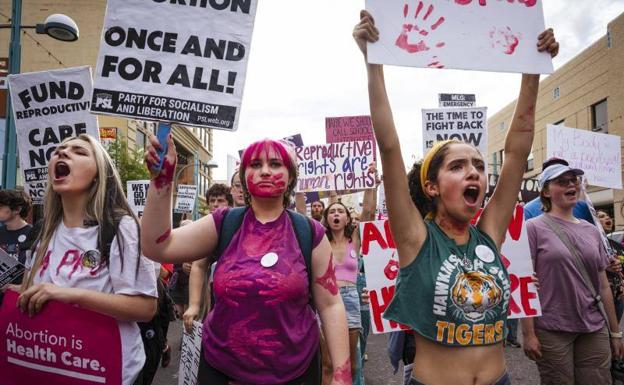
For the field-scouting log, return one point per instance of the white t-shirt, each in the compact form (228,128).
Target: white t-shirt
(108,279)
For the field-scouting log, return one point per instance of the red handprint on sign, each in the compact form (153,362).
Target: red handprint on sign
(392,268)
(415,37)
(505,39)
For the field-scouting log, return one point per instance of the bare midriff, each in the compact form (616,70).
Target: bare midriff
(437,364)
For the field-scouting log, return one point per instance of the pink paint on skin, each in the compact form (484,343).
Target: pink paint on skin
(272,187)
(165,178)
(163,237)
(342,374)
(328,280)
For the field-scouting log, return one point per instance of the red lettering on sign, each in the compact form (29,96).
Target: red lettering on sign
(372,234)
(513,306)
(378,308)
(515,225)
(526,296)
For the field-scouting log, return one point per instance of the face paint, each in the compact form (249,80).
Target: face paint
(272,187)
(328,280)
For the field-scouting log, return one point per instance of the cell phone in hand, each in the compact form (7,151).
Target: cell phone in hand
(162,134)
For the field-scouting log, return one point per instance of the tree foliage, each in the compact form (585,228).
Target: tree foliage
(129,163)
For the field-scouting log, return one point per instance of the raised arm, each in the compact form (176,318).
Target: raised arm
(158,241)
(518,142)
(369,203)
(406,223)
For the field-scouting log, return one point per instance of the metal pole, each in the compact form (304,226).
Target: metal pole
(195,181)
(10,139)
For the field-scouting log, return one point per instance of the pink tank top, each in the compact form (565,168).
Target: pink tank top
(348,269)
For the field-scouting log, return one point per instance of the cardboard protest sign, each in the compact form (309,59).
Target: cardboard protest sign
(529,189)
(10,268)
(335,166)
(382,208)
(137,195)
(457,100)
(108,136)
(350,129)
(598,154)
(464,124)
(49,107)
(489,35)
(61,345)
(382,267)
(184,63)
(185,199)
(190,355)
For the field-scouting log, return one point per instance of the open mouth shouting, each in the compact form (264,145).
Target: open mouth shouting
(571,193)
(61,170)
(471,195)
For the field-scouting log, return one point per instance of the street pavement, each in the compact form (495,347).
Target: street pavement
(377,370)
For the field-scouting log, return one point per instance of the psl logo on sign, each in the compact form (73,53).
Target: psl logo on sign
(381,263)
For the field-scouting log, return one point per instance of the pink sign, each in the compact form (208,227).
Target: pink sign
(62,345)
(350,129)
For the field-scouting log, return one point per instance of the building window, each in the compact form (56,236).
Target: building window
(140,140)
(556,93)
(600,118)
(530,162)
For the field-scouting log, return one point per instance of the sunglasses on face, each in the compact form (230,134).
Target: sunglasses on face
(563,182)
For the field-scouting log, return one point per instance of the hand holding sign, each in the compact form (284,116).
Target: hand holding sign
(33,298)
(365,31)
(163,177)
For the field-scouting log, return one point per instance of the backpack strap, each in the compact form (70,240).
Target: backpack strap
(231,222)
(108,234)
(304,230)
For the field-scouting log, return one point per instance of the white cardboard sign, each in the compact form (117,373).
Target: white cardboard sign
(464,124)
(186,62)
(489,35)
(49,107)
(190,355)
(185,200)
(137,195)
(599,155)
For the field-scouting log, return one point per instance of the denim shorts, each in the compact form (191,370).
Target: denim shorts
(503,380)
(351,301)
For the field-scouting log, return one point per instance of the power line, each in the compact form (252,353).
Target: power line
(50,54)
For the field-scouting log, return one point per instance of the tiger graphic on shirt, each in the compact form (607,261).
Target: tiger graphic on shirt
(475,293)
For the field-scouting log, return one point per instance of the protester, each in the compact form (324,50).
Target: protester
(316,210)
(452,288)
(345,247)
(218,195)
(614,270)
(263,328)
(15,206)
(570,341)
(534,208)
(84,200)
(236,190)
(179,282)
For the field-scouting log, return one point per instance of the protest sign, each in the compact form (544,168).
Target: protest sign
(10,268)
(61,345)
(137,195)
(598,154)
(456,100)
(464,124)
(49,107)
(185,199)
(529,189)
(382,209)
(190,355)
(489,35)
(382,267)
(185,63)
(350,129)
(335,166)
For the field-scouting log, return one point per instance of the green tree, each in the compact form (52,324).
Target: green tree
(129,163)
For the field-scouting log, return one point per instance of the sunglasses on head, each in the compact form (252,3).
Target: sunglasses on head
(564,181)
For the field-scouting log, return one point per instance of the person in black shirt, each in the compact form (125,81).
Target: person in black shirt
(14,208)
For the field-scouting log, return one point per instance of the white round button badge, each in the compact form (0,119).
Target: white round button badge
(353,254)
(484,253)
(21,238)
(269,259)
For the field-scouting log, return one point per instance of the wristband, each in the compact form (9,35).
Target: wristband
(615,334)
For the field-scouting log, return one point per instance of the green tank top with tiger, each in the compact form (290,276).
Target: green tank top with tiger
(456,295)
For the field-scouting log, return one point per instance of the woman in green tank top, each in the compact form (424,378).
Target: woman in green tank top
(453,289)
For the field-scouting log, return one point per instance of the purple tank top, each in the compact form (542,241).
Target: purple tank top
(261,329)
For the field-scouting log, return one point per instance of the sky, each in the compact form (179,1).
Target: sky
(305,66)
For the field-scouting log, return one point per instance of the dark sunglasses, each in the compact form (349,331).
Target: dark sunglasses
(563,182)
